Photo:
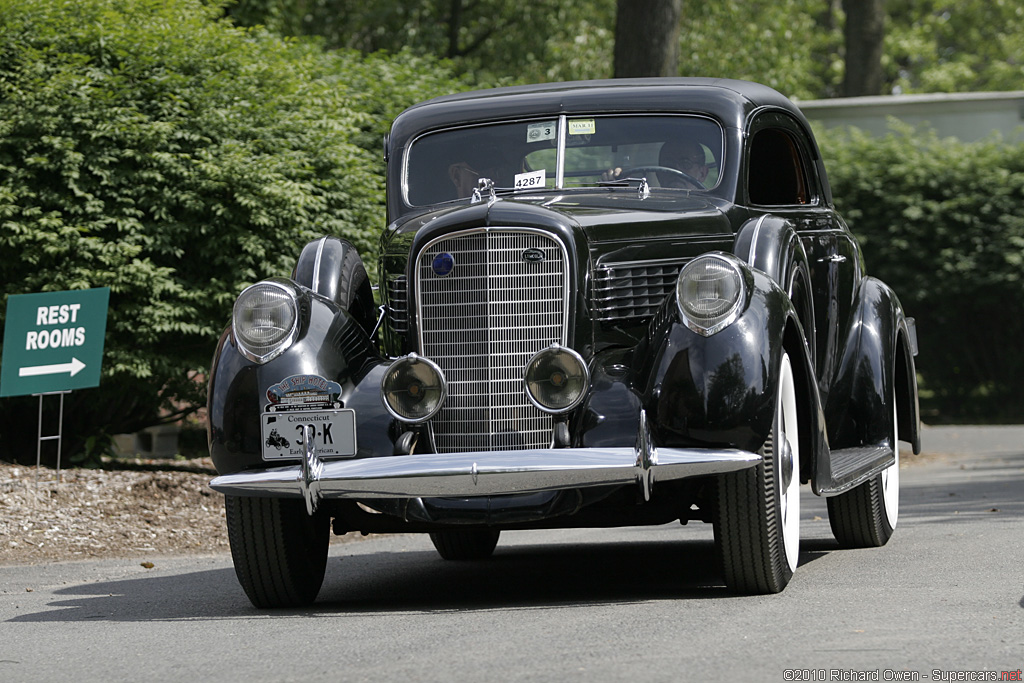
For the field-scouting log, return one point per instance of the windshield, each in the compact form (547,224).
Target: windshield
(675,152)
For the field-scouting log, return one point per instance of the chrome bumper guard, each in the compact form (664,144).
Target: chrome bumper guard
(482,473)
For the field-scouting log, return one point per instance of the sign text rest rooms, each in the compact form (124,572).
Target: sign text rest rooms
(53,341)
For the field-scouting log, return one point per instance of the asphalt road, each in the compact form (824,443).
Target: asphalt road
(944,600)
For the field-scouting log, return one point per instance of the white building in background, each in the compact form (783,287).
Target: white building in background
(967,116)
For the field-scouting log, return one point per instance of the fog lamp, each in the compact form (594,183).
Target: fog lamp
(265,320)
(413,389)
(557,379)
(710,293)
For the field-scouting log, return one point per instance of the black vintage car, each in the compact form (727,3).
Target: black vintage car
(606,303)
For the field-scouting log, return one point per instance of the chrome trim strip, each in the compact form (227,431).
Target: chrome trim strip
(752,256)
(563,124)
(486,473)
(316,264)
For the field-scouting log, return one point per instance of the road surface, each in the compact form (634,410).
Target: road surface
(944,600)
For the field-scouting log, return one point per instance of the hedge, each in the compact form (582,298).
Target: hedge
(942,221)
(152,147)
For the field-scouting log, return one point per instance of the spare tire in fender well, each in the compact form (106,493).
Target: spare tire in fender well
(332,268)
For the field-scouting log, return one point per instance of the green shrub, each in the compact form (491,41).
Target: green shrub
(149,146)
(942,222)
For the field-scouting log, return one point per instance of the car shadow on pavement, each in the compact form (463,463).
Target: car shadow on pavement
(516,577)
(539,576)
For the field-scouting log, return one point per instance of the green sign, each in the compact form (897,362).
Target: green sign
(53,341)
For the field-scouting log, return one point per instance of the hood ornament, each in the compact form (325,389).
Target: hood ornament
(484,185)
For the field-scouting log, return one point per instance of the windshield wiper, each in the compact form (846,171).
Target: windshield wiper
(643,188)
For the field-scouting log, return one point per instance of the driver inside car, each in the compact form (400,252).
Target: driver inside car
(684,156)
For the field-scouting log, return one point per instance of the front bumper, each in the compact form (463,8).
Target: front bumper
(483,473)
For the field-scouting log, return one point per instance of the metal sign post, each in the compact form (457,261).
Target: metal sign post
(51,437)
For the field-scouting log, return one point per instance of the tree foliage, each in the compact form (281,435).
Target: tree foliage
(796,46)
(942,46)
(786,44)
(491,40)
(151,147)
(941,222)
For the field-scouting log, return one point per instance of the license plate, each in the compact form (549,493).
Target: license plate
(284,433)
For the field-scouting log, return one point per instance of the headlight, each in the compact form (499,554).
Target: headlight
(710,294)
(413,389)
(265,320)
(556,379)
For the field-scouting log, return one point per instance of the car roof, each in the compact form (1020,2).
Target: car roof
(729,101)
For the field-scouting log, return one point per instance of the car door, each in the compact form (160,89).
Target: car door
(782,180)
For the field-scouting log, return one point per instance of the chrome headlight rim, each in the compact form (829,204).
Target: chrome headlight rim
(730,308)
(432,367)
(584,374)
(284,340)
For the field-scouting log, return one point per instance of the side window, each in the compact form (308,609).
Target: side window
(776,173)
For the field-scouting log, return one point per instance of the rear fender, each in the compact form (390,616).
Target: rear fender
(877,365)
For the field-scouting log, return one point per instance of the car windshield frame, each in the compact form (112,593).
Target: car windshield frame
(563,152)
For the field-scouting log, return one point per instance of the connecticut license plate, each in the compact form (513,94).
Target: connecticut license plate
(284,433)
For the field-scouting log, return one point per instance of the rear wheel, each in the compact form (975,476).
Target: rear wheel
(757,525)
(866,516)
(465,544)
(279,551)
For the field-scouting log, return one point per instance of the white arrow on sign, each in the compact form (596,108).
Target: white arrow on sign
(74,367)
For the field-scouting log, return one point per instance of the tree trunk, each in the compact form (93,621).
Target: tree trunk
(647,38)
(864,33)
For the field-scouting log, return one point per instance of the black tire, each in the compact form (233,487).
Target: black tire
(279,551)
(465,544)
(757,522)
(866,516)
(354,291)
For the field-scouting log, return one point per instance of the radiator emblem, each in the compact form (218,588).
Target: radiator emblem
(533,255)
(443,264)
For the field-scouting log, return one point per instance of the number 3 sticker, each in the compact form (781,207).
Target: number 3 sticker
(531,180)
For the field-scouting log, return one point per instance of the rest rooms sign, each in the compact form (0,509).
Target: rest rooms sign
(53,341)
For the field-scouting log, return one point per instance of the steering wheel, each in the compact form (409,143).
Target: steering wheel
(663,169)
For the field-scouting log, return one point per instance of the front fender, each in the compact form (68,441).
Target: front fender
(720,390)
(330,345)
(770,244)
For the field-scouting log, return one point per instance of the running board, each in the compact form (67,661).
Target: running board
(854,466)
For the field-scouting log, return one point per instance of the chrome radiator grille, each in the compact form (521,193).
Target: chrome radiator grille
(481,323)
(633,290)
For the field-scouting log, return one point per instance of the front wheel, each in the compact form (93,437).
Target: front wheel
(465,544)
(757,525)
(279,551)
(866,516)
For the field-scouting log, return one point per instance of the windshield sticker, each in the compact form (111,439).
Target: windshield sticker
(538,132)
(304,392)
(582,127)
(531,180)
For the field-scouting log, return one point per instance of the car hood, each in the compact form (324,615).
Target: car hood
(608,220)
